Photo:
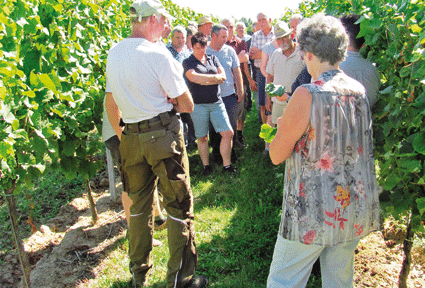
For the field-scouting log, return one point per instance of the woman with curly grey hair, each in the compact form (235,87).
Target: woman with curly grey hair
(330,196)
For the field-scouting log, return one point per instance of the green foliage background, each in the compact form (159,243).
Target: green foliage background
(52,62)
(52,67)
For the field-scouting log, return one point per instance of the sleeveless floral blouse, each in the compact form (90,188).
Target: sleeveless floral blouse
(330,191)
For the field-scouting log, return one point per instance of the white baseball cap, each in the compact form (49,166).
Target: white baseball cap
(145,8)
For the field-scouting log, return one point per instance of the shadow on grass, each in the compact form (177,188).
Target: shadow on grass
(127,284)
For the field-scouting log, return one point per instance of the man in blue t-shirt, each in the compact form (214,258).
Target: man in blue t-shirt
(230,62)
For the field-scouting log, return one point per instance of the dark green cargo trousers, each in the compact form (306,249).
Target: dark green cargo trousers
(151,150)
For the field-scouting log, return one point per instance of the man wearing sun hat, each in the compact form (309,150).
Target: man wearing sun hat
(205,25)
(283,68)
(145,83)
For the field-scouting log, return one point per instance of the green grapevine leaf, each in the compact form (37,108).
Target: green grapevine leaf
(30,94)
(391,182)
(6,149)
(275,90)
(47,82)
(405,71)
(416,28)
(68,148)
(421,205)
(412,166)
(386,90)
(3,92)
(267,132)
(419,142)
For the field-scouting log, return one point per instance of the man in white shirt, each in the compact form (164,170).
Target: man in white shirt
(145,83)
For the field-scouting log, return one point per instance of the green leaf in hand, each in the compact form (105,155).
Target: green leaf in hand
(267,132)
(275,90)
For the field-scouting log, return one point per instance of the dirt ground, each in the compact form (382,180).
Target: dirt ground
(68,249)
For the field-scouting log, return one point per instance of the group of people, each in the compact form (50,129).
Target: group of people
(161,99)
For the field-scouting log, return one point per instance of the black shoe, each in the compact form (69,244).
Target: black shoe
(197,282)
(207,170)
(229,169)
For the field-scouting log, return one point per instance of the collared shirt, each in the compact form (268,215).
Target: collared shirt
(203,94)
(179,56)
(258,40)
(363,71)
(229,60)
(237,44)
(284,69)
(138,73)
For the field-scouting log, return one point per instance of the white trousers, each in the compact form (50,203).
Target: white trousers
(292,263)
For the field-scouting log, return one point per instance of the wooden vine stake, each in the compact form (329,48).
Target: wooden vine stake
(407,259)
(23,257)
(92,205)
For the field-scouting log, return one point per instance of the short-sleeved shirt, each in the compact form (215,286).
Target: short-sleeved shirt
(238,44)
(203,94)
(363,71)
(141,75)
(229,60)
(179,56)
(330,191)
(258,40)
(284,69)
(268,48)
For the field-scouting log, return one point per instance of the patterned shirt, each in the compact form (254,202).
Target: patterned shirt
(237,44)
(330,191)
(258,40)
(179,56)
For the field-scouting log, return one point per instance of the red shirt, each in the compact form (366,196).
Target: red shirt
(237,44)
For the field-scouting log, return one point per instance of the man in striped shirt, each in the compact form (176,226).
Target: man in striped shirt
(261,37)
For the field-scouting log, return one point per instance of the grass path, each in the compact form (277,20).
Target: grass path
(236,223)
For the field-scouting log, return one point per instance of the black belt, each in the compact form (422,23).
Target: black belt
(164,118)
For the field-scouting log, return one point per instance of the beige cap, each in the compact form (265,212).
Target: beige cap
(281,29)
(145,8)
(204,20)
